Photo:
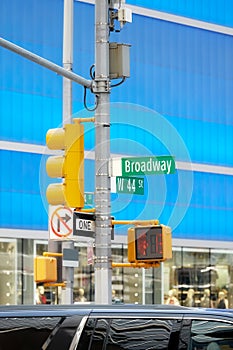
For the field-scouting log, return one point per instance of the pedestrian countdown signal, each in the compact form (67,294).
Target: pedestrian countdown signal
(149,244)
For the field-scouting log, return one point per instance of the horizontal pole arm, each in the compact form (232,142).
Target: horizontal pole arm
(63,284)
(84,120)
(135,222)
(45,63)
(52,254)
(85,210)
(135,265)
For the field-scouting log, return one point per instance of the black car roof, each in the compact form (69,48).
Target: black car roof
(124,309)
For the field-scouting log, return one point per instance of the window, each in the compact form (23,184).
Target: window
(211,335)
(130,333)
(206,271)
(140,334)
(25,333)
(8,272)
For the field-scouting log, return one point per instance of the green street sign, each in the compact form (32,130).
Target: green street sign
(148,165)
(89,198)
(130,185)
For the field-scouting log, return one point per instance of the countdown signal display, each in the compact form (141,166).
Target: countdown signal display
(149,243)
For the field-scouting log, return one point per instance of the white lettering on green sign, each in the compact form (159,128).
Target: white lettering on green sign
(148,165)
(132,185)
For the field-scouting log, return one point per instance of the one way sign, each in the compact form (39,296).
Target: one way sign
(83,224)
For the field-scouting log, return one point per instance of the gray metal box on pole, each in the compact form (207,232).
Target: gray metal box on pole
(119,60)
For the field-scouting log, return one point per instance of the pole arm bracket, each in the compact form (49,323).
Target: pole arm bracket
(137,265)
(100,86)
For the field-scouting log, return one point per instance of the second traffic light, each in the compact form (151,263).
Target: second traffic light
(45,269)
(69,166)
(149,244)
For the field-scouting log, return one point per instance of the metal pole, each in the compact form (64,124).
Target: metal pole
(45,63)
(68,272)
(103,269)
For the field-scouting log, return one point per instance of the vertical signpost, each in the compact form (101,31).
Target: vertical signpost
(103,263)
(67,293)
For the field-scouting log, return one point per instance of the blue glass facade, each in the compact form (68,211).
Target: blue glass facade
(177,101)
(214,11)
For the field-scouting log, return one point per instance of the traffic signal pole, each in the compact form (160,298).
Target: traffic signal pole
(68,272)
(103,267)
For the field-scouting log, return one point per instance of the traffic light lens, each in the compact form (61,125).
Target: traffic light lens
(149,244)
(142,245)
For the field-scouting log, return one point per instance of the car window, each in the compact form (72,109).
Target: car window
(140,334)
(185,333)
(25,333)
(128,333)
(211,335)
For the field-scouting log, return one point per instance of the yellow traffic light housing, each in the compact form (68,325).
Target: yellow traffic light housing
(45,269)
(69,166)
(149,244)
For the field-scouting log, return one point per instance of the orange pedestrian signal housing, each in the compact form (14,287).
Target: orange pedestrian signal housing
(45,269)
(149,244)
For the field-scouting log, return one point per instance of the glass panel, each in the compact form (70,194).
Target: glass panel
(140,334)
(84,287)
(222,290)
(8,272)
(25,276)
(44,295)
(25,333)
(86,335)
(200,277)
(99,335)
(153,285)
(119,293)
(192,278)
(211,335)
(185,334)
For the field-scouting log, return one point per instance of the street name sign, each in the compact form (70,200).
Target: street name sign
(130,185)
(83,224)
(148,165)
(134,166)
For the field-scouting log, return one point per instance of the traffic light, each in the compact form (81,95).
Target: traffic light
(45,269)
(69,166)
(149,244)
